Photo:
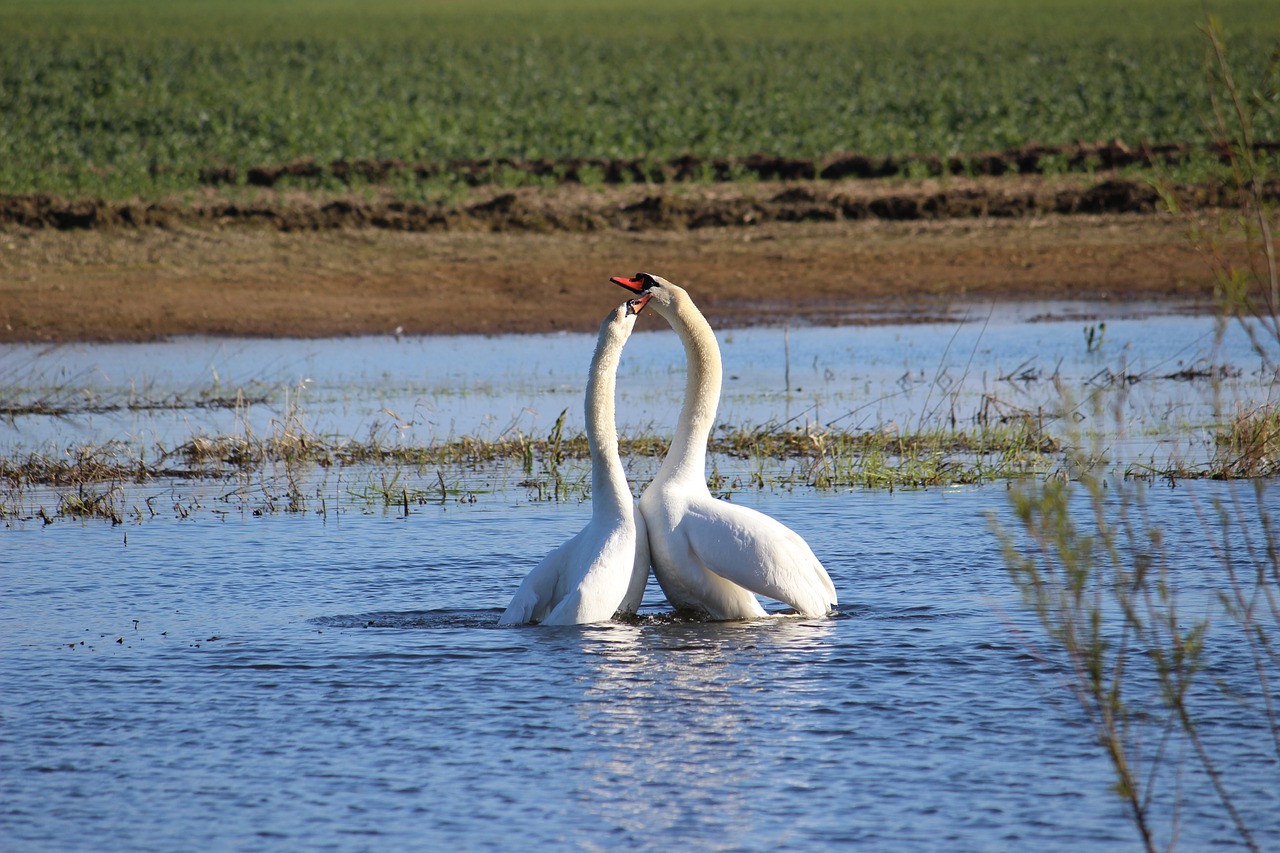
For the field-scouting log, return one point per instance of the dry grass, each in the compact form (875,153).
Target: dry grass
(1248,445)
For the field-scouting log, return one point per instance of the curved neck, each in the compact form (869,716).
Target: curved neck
(687,459)
(609,490)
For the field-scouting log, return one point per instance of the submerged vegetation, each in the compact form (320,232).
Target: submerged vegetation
(291,462)
(292,467)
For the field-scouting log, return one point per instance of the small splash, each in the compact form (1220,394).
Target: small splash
(414,619)
(488,618)
(648,616)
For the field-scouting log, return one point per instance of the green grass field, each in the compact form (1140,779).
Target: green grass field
(133,98)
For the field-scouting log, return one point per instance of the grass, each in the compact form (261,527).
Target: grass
(284,464)
(137,99)
(277,468)
(1248,445)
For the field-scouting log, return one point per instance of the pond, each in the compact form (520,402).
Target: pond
(277,682)
(269,681)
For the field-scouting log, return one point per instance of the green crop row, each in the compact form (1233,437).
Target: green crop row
(136,98)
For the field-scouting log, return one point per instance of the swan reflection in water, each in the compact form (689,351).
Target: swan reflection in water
(674,719)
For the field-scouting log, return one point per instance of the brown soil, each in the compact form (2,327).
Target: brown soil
(271,262)
(1027,160)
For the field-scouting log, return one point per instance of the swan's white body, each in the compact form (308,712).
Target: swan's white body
(603,569)
(708,554)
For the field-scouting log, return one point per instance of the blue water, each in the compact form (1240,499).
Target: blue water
(421,390)
(337,681)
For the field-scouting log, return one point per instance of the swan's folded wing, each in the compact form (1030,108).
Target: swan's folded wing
(537,593)
(759,553)
(569,611)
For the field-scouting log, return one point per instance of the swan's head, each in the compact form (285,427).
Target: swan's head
(651,287)
(621,320)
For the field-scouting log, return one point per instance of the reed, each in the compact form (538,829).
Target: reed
(88,502)
(1095,571)
(1248,445)
(276,464)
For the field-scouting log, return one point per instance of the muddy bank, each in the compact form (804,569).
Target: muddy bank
(149,283)
(575,209)
(275,260)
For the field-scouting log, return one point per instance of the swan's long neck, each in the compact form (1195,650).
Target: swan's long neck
(686,461)
(609,490)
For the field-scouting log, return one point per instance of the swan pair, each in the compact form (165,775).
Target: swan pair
(709,556)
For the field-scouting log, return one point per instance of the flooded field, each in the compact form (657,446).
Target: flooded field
(216,671)
(1148,385)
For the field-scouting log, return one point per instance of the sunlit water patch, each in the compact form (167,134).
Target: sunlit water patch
(292,681)
(1165,379)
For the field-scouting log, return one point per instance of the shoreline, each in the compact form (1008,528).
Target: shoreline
(152,283)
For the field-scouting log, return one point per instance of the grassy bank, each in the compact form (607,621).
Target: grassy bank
(138,99)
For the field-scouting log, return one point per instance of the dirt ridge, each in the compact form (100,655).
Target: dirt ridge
(1031,159)
(640,208)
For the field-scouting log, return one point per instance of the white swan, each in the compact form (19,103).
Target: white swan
(603,569)
(708,554)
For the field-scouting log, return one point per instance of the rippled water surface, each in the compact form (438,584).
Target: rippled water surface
(208,675)
(281,682)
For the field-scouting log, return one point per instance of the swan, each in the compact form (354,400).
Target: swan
(603,569)
(710,555)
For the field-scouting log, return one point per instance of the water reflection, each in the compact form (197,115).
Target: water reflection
(321,679)
(673,716)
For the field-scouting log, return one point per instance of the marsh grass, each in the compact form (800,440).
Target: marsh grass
(887,458)
(90,502)
(277,469)
(1248,445)
(283,466)
(273,467)
(72,396)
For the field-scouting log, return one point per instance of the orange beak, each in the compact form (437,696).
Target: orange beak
(635,285)
(635,306)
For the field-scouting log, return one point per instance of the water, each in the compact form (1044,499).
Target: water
(419,390)
(206,676)
(289,682)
